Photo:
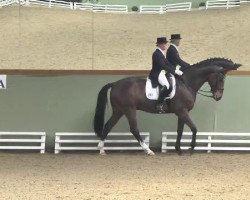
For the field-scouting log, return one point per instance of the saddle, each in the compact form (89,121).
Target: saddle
(152,93)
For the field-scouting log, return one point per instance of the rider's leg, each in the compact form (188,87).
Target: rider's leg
(162,79)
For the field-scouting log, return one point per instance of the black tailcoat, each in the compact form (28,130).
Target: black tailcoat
(174,58)
(159,63)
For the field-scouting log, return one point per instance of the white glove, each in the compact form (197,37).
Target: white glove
(178,72)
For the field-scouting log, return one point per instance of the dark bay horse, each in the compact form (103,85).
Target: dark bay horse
(128,95)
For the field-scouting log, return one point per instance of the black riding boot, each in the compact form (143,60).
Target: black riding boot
(160,103)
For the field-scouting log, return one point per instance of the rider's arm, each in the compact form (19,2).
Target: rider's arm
(181,62)
(172,68)
(164,64)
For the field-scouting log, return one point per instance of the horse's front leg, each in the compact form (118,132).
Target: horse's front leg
(179,135)
(184,116)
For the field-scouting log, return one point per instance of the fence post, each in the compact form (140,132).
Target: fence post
(164,143)
(209,144)
(227,4)
(161,10)
(43,138)
(71,5)
(57,144)
(49,3)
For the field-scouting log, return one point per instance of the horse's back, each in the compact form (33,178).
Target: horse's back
(129,90)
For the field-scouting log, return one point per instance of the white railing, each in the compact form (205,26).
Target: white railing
(209,141)
(160,9)
(150,9)
(222,4)
(245,1)
(83,6)
(28,140)
(153,9)
(89,141)
(51,3)
(37,2)
(179,7)
(6,2)
(61,4)
(80,6)
(110,8)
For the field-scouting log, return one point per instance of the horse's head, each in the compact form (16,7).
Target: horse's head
(216,80)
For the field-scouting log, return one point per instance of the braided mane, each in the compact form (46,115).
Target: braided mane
(222,62)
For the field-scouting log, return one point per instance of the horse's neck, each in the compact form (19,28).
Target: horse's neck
(196,77)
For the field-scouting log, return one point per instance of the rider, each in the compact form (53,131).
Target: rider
(173,52)
(160,67)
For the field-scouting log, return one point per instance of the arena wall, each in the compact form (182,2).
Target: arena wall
(67,103)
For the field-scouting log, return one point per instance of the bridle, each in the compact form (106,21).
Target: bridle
(213,89)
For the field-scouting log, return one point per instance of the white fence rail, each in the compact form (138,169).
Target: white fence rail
(89,141)
(179,7)
(80,6)
(51,3)
(6,2)
(222,4)
(83,6)
(110,8)
(148,9)
(245,1)
(154,9)
(209,141)
(160,9)
(29,141)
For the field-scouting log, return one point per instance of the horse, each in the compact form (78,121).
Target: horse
(128,95)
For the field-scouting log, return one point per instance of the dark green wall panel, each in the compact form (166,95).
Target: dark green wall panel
(67,103)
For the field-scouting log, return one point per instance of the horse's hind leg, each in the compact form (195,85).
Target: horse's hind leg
(131,116)
(107,128)
(179,135)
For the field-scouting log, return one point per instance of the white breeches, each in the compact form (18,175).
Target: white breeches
(163,80)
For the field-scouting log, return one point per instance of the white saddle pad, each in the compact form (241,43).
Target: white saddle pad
(153,93)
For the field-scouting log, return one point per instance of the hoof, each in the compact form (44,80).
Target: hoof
(103,153)
(179,152)
(150,153)
(191,151)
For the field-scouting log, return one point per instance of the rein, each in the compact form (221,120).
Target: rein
(205,95)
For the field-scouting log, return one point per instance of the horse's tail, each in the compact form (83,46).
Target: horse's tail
(100,109)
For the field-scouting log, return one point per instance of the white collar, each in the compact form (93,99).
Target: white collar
(162,51)
(175,46)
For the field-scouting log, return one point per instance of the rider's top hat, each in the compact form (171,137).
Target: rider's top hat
(161,40)
(175,37)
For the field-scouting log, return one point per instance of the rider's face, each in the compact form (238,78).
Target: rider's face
(163,46)
(176,42)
